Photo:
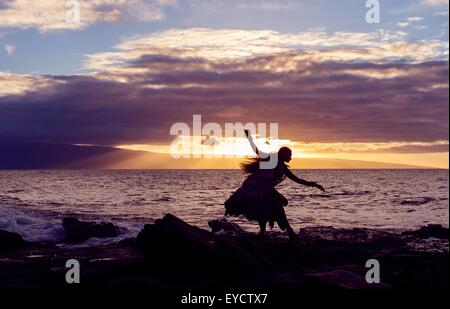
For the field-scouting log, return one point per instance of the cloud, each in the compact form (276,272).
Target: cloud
(333,88)
(254,6)
(321,102)
(386,147)
(237,45)
(11,83)
(9,49)
(414,19)
(440,7)
(434,3)
(269,5)
(442,13)
(443,5)
(409,21)
(47,15)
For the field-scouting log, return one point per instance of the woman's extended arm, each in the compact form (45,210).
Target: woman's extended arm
(291,176)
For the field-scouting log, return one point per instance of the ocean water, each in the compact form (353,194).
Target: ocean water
(33,203)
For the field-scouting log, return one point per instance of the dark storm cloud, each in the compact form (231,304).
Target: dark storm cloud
(312,101)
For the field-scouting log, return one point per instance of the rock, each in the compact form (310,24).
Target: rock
(171,229)
(179,249)
(178,252)
(9,240)
(176,248)
(431,230)
(353,236)
(79,231)
(223,225)
(173,254)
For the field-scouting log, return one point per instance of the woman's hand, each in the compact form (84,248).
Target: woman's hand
(318,186)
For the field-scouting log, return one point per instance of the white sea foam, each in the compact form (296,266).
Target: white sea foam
(40,227)
(30,226)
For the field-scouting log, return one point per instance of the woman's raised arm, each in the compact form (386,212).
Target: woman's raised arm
(260,153)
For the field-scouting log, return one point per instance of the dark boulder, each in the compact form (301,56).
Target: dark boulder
(9,240)
(431,230)
(223,225)
(176,248)
(79,231)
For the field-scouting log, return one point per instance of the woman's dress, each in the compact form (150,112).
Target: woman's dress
(258,200)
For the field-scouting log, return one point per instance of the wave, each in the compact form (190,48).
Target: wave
(350,193)
(38,226)
(15,191)
(330,195)
(29,226)
(163,199)
(417,200)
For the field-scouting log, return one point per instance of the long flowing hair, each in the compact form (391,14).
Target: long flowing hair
(251,165)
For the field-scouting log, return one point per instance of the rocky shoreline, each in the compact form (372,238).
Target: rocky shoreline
(172,254)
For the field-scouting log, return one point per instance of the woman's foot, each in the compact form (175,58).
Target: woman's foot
(291,234)
(262,229)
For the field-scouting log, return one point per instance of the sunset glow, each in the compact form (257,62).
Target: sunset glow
(337,86)
(239,148)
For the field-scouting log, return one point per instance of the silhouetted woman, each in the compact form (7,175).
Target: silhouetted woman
(257,198)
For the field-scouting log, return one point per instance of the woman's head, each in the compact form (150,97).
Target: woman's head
(252,165)
(284,154)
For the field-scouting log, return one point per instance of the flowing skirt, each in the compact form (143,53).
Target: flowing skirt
(263,208)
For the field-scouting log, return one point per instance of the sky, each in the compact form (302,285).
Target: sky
(125,71)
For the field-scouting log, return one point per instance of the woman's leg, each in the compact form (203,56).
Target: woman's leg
(282,221)
(276,202)
(262,227)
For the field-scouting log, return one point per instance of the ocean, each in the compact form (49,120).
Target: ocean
(33,203)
